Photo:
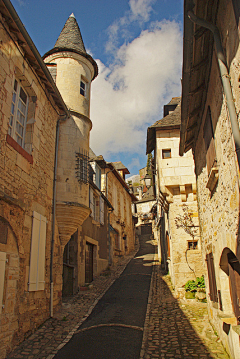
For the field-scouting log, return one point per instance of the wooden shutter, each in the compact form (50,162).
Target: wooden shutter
(101,210)
(91,203)
(2,276)
(234,278)
(37,256)
(212,278)
(209,141)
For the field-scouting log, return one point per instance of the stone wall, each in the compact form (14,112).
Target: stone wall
(219,208)
(177,182)
(26,185)
(121,217)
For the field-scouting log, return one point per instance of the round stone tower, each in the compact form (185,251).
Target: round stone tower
(73,71)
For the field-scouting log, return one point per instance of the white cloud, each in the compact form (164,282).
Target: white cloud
(21,2)
(129,94)
(139,12)
(141,9)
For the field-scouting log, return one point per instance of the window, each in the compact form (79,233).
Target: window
(212,278)
(166,153)
(95,174)
(18,116)
(83,88)
(94,204)
(115,201)
(192,244)
(209,141)
(101,210)
(37,256)
(82,167)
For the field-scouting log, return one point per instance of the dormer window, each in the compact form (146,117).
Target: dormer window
(83,88)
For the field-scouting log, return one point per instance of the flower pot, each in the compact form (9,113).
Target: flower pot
(190,295)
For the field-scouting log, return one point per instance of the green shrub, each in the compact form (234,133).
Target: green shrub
(193,285)
(200,282)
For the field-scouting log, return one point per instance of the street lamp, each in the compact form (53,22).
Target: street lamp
(148,180)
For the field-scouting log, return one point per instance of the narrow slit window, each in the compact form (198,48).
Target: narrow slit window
(83,88)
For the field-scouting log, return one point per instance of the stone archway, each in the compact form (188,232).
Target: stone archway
(10,272)
(229,263)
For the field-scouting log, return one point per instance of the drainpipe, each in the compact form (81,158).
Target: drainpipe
(54,213)
(224,76)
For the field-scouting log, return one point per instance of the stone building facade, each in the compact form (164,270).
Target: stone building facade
(122,231)
(210,126)
(180,252)
(30,107)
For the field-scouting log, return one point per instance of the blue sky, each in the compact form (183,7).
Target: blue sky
(138,47)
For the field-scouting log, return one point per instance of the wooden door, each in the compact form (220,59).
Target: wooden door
(89,263)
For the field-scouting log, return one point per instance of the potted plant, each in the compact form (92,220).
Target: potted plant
(190,288)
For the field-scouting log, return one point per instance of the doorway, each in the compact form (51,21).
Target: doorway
(89,263)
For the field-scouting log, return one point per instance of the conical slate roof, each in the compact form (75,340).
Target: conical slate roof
(70,40)
(70,36)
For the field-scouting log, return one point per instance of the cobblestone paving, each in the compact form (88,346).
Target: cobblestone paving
(172,329)
(176,329)
(45,341)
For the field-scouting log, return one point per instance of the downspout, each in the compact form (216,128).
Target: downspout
(224,76)
(54,212)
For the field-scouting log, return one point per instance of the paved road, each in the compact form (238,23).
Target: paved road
(114,329)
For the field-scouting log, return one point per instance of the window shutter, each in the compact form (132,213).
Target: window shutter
(209,141)
(91,203)
(37,256)
(234,278)
(101,210)
(212,278)
(2,276)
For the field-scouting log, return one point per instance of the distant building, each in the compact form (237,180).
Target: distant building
(179,251)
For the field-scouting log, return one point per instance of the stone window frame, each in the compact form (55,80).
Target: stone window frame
(165,153)
(94,204)
(18,113)
(193,245)
(83,86)
(25,148)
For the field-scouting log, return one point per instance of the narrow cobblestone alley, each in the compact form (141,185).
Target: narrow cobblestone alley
(177,329)
(172,329)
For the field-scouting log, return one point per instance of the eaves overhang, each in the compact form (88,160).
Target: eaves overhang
(186,72)
(198,45)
